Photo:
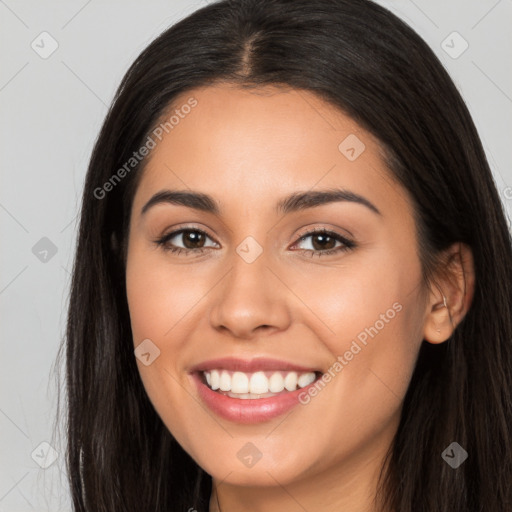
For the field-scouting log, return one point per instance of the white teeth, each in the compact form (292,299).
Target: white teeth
(225,381)
(290,381)
(215,379)
(239,383)
(258,383)
(276,383)
(246,385)
(243,396)
(306,379)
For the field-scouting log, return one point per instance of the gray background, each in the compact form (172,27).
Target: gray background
(51,111)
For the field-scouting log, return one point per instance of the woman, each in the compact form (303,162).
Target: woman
(292,284)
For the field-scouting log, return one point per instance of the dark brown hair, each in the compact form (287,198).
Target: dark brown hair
(365,61)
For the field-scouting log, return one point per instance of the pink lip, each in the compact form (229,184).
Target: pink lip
(247,411)
(241,365)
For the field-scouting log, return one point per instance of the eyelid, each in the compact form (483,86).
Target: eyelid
(304,232)
(308,231)
(347,243)
(315,229)
(187,227)
(163,240)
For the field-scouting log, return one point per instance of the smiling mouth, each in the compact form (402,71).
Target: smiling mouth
(255,385)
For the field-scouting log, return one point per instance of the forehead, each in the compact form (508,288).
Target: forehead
(252,146)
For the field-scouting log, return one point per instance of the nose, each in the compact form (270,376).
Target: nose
(250,299)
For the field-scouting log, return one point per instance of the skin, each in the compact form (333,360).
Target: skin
(248,149)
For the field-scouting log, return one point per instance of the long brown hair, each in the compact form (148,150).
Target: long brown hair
(371,65)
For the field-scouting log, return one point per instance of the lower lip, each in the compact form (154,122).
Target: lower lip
(248,410)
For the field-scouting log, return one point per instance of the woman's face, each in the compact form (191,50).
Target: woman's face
(317,285)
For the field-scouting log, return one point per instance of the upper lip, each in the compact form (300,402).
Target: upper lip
(249,366)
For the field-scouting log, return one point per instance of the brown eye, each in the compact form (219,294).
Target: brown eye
(324,242)
(185,240)
(193,239)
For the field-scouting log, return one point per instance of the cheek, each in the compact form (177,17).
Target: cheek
(159,294)
(373,336)
(160,298)
(368,315)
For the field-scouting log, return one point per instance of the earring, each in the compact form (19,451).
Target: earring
(438,330)
(439,306)
(446,306)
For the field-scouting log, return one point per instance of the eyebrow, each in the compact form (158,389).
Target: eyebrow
(295,202)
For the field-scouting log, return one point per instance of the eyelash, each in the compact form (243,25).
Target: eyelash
(163,242)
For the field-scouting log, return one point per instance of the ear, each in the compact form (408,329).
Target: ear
(451,296)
